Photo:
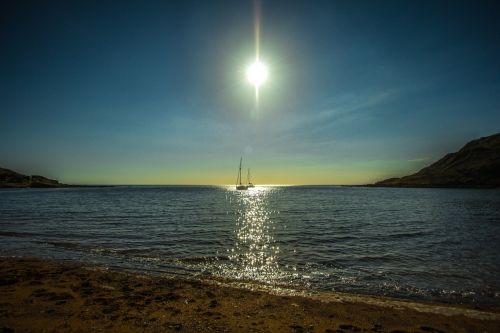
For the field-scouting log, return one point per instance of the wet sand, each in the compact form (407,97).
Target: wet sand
(48,296)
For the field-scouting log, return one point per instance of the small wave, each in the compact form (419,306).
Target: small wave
(17,234)
(384,257)
(408,234)
(201,259)
(67,245)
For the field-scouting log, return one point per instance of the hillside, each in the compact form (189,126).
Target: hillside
(477,164)
(12,179)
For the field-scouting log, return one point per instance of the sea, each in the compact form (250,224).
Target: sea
(439,245)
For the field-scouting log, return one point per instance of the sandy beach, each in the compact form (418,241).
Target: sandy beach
(49,296)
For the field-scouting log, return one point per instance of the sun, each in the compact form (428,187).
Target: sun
(257,73)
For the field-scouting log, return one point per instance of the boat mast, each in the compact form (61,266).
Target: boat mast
(248,176)
(239,173)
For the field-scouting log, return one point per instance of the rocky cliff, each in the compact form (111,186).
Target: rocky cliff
(477,164)
(12,179)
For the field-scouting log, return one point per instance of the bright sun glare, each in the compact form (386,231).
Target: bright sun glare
(257,73)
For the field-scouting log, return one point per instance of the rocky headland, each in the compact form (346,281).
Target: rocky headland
(12,179)
(476,165)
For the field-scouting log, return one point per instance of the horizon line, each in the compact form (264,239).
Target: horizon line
(103,185)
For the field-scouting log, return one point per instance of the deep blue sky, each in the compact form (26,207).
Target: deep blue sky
(155,92)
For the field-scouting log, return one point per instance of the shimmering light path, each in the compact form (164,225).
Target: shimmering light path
(255,252)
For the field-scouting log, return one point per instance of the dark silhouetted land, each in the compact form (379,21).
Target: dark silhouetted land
(476,165)
(12,179)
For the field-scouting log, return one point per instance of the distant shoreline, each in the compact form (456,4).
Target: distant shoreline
(264,185)
(3,186)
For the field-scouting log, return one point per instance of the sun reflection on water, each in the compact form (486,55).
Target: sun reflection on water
(254,254)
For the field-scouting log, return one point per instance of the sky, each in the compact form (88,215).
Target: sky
(154,92)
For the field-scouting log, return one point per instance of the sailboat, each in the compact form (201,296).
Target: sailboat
(249,182)
(239,184)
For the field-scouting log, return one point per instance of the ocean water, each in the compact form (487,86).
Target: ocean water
(428,244)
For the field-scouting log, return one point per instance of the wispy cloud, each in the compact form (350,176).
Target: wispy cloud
(313,128)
